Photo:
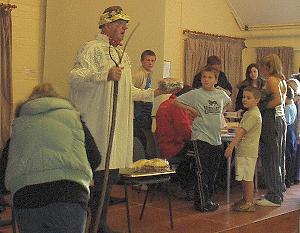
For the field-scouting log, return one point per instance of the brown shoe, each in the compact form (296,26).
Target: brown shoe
(247,207)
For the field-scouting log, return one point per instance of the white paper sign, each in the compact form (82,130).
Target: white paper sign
(167,68)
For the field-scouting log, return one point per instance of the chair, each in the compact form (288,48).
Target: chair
(152,148)
(154,152)
(139,153)
(148,180)
(138,150)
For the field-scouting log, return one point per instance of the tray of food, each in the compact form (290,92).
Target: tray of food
(170,84)
(145,167)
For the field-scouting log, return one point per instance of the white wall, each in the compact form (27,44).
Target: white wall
(27,46)
(196,15)
(70,23)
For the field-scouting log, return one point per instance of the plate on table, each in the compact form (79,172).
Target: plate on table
(129,172)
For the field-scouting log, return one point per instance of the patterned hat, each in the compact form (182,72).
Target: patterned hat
(113,15)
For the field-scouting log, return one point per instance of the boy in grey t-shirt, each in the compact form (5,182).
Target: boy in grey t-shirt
(207,105)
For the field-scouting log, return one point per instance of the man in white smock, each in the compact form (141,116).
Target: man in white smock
(91,89)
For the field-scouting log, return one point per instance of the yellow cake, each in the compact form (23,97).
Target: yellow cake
(152,165)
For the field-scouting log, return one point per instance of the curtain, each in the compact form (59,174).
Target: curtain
(286,55)
(6,103)
(198,46)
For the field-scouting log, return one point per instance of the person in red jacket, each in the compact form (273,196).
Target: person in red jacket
(173,133)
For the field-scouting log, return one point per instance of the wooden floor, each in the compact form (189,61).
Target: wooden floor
(284,219)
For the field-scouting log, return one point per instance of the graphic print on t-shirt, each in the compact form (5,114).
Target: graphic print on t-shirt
(212,108)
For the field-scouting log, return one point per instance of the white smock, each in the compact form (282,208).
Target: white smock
(92,94)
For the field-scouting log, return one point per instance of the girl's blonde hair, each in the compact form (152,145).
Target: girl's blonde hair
(43,90)
(274,65)
(40,91)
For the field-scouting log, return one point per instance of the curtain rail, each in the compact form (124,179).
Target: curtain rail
(8,6)
(253,47)
(208,34)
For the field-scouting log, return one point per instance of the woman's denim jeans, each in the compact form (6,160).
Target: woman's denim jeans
(54,218)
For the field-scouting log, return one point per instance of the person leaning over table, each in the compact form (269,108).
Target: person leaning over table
(91,89)
(51,155)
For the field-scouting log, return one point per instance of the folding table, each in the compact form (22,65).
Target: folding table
(148,178)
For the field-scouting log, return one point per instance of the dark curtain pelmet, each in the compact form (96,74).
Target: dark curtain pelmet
(6,103)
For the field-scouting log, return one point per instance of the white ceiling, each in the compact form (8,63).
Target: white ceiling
(255,14)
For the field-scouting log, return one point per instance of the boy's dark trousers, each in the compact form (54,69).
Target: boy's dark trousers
(290,155)
(207,164)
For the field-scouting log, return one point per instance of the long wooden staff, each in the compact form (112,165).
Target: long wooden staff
(111,136)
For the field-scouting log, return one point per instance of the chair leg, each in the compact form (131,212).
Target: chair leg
(170,206)
(228,179)
(127,209)
(153,187)
(145,201)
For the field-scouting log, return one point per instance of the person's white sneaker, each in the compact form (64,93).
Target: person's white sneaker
(266,202)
